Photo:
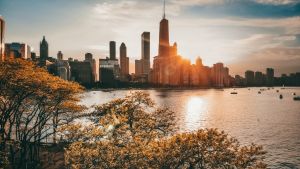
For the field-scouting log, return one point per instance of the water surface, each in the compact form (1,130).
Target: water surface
(250,117)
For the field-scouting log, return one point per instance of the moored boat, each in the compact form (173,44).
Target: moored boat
(297,98)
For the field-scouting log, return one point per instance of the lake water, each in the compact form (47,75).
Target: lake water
(263,118)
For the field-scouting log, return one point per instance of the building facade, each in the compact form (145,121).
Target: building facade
(2,31)
(44,49)
(124,62)
(17,50)
(112,50)
(250,78)
(89,58)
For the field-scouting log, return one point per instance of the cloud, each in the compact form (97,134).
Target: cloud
(282,59)
(277,2)
(197,2)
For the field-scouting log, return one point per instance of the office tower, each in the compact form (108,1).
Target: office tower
(164,43)
(124,60)
(82,72)
(59,55)
(146,52)
(218,75)
(138,67)
(17,50)
(109,71)
(89,58)
(259,78)
(2,29)
(44,53)
(112,50)
(270,76)
(249,76)
(33,56)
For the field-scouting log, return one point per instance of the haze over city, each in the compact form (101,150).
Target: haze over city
(252,34)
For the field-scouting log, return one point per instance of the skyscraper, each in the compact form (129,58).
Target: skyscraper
(112,50)
(2,29)
(270,76)
(89,58)
(146,52)
(164,43)
(218,74)
(44,53)
(59,55)
(249,75)
(124,60)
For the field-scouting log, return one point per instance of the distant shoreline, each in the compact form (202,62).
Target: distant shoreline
(181,88)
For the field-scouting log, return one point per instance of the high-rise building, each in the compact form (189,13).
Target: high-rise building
(44,53)
(2,29)
(164,44)
(109,71)
(89,58)
(17,50)
(146,52)
(124,60)
(138,67)
(59,55)
(249,76)
(218,75)
(259,78)
(82,72)
(270,76)
(112,50)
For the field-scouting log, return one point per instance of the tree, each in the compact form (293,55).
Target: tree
(132,133)
(33,104)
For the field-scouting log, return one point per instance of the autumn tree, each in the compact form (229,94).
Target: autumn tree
(33,104)
(131,132)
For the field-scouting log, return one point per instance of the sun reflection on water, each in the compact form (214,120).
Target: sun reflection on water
(195,116)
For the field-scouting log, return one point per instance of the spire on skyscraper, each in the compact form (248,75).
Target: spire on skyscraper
(164,10)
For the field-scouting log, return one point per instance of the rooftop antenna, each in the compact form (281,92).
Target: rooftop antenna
(164,12)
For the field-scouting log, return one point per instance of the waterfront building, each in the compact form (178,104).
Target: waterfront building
(249,76)
(112,50)
(44,49)
(2,31)
(145,37)
(89,58)
(259,78)
(109,70)
(269,76)
(17,50)
(82,72)
(124,62)
(219,75)
(171,69)
(59,55)
(138,67)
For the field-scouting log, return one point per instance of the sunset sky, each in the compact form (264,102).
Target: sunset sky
(243,34)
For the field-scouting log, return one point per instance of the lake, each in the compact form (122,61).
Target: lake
(264,118)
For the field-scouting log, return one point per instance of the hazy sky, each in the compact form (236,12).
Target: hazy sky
(243,34)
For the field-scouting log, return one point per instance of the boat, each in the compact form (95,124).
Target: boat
(233,93)
(297,98)
(280,96)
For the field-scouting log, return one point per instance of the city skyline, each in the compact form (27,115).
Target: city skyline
(260,39)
